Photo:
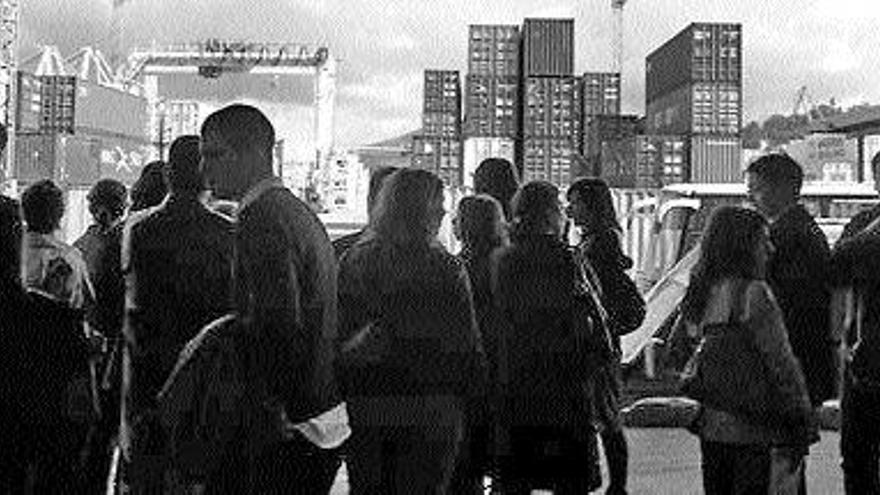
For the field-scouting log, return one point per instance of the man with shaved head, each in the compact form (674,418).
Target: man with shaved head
(285,287)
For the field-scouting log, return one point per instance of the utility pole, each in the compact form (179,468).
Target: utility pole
(9,21)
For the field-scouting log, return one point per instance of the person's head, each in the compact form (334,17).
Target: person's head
(774,183)
(150,188)
(10,239)
(497,178)
(735,244)
(236,150)
(590,205)
(479,223)
(183,171)
(875,170)
(537,211)
(107,201)
(377,178)
(409,208)
(43,207)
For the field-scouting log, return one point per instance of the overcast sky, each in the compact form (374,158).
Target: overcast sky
(384,45)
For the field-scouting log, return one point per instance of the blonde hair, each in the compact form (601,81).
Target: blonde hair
(402,213)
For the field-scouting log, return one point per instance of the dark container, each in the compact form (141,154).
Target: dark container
(702,52)
(548,47)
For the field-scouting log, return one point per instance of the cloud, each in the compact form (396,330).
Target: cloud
(840,57)
(391,91)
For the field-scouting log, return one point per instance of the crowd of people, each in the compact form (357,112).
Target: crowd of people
(239,350)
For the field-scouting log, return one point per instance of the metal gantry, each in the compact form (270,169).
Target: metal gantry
(212,58)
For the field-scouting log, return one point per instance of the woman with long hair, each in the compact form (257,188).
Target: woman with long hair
(728,286)
(497,178)
(591,208)
(410,347)
(481,228)
(543,375)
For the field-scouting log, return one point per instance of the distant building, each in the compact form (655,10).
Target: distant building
(694,90)
(395,152)
(438,147)
(550,102)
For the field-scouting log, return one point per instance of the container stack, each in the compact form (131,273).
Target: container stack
(694,90)
(600,95)
(491,95)
(550,102)
(438,147)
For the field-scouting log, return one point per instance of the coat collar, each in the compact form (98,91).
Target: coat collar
(257,190)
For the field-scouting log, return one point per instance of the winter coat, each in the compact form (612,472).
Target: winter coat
(761,313)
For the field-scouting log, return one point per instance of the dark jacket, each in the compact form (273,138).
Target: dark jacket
(420,298)
(534,285)
(178,277)
(101,248)
(286,296)
(798,275)
(620,298)
(856,263)
(858,223)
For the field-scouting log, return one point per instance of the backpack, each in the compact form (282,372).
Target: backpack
(210,404)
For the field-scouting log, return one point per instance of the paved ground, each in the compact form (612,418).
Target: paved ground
(666,461)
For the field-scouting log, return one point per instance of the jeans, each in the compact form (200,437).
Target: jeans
(860,436)
(732,469)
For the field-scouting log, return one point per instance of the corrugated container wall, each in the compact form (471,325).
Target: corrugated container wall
(439,155)
(671,158)
(477,149)
(29,107)
(490,106)
(699,108)
(100,109)
(601,93)
(547,158)
(493,50)
(715,159)
(59,104)
(702,52)
(65,159)
(548,47)
(181,118)
(551,108)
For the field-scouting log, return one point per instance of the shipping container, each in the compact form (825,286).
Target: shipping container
(493,50)
(65,159)
(600,94)
(490,106)
(179,118)
(29,107)
(548,47)
(603,128)
(547,158)
(618,162)
(699,108)
(702,52)
(477,149)
(551,108)
(58,104)
(715,159)
(442,156)
(441,109)
(826,157)
(671,158)
(109,110)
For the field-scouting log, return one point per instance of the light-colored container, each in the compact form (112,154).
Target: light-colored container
(477,149)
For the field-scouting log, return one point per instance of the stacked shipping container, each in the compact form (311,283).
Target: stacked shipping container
(694,89)
(491,95)
(611,140)
(550,102)
(438,148)
(600,95)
